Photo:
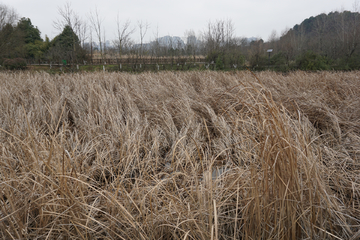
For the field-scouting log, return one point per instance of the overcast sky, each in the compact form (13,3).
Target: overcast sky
(251,18)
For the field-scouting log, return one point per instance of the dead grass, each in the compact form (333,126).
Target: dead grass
(194,155)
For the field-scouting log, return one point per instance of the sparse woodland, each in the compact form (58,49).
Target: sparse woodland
(180,155)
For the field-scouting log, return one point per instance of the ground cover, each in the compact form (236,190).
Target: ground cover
(180,155)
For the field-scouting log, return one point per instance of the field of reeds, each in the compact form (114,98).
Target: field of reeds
(180,155)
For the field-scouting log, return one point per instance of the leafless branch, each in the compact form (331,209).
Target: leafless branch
(96,23)
(123,34)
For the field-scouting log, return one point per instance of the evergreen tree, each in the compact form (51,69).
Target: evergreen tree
(33,47)
(66,46)
(31,33)
(11,43)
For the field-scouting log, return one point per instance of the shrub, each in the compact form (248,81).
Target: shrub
(348,63)
(15,64)
(258,61)
(278,59)
(212,56)
(219,63)
(225,60)
(311,61)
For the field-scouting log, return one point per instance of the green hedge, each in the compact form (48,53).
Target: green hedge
(15,64)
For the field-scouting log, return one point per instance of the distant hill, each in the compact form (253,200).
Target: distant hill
(171,41)
(327,23)
(335,34)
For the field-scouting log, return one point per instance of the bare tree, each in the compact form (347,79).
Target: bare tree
(320,28)
(212,36)
(82,33)
(288,44)
(273,41)
(70,18)
(91,45)
(229,34)
(191,43)
(219,35)
(220,43)
(10,40)
(301,39)
(7,16)
(170,47)
(354,31)
(105,48)
(97,24)
(123,35)
(273,36)
(156,44)
(340,27)
(143,28)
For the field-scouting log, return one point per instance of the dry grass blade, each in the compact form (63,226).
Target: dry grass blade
(191,155)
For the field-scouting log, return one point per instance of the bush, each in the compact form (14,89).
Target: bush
(258,61)
(311,61)
(15,64)
(219,64)
(348,63)
(225,60)
(278,59)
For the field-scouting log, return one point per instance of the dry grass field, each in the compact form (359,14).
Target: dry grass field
(180,155)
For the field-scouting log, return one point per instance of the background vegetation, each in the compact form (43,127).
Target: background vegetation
(326,41)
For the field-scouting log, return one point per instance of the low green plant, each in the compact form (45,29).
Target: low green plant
(219,64)
(15,64)
(225,60)
(348,63)
(311,61)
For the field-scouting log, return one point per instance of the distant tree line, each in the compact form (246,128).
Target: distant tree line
(20,39)
(327,41)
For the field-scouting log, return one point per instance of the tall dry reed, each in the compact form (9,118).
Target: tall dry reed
(194,155)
